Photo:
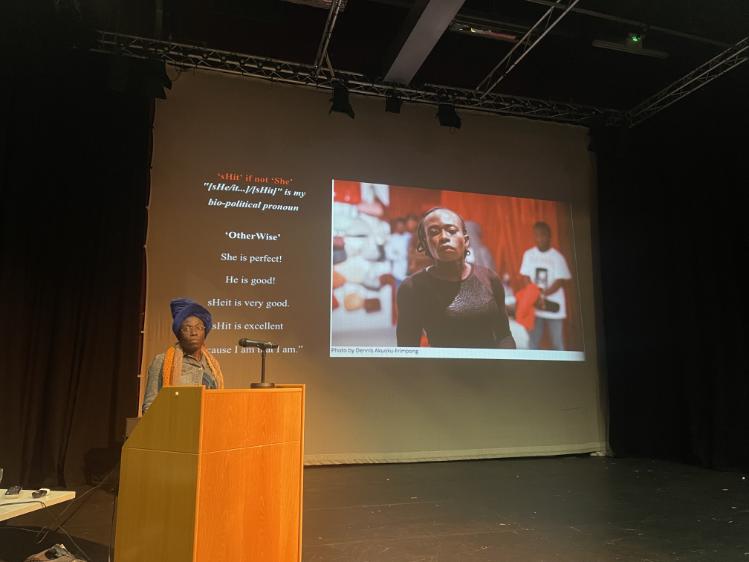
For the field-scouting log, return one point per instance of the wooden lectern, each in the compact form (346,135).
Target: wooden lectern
(214,475)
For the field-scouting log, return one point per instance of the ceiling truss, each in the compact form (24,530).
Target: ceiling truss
(324,77)
(191,56)
(525,45)
(727,60)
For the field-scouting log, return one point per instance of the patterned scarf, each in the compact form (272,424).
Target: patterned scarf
(173,366)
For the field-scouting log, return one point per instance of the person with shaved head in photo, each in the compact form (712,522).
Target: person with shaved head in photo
(452,302)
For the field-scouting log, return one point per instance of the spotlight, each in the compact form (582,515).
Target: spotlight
(447,116)
(393,103)
(634,40)
(633,43)
(340,102)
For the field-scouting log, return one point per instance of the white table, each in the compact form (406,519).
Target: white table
(24,503)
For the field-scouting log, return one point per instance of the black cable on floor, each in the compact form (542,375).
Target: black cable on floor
(110,554)
(59,522)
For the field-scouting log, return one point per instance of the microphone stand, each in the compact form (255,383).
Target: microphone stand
(262,383)
(263,346)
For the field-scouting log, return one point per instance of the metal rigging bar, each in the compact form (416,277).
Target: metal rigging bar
(189,56)
(524,46)
(703,74)
(322,49)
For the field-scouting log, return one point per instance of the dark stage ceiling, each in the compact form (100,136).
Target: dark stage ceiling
(563,66)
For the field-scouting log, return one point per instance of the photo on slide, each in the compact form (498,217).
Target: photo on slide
(513,294)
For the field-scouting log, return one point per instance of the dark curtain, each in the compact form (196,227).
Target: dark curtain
(74,174)
(672,220)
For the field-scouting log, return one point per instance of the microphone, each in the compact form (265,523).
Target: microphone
(263,345)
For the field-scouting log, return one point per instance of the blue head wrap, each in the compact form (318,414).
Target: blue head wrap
(182,308)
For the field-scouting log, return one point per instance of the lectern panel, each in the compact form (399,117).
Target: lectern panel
(172,423)
(228,413)
(221,506)
(276,415)
(156,523)
(237,497)
(272,502)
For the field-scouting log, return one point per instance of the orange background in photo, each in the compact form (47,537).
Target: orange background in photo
(506,230)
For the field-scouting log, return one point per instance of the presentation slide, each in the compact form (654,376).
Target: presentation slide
(516,300)
(254,220)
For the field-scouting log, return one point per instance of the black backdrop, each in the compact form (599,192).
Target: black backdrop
(673,250)
(74,174)
(74,169)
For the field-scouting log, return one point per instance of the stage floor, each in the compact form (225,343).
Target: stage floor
(572,509)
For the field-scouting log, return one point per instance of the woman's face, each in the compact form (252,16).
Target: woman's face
(192,334)
(445,238)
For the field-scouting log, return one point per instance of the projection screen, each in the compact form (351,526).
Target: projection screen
(298,226)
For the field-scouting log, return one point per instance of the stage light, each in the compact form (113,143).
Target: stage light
(634,40)
(393,103)
(447,116)
(633,43)
(496,33)
(631,48)
(340,102)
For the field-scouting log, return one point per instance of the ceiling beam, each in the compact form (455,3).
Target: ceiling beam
(527,43)
(322,48)
(423,27)
(187,57)
(707,72)
(636,25)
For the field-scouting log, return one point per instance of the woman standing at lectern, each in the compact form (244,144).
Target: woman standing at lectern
(187,362)
(456,304)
